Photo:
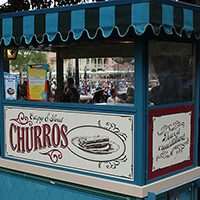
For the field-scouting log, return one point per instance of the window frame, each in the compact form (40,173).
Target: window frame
(123,108)
(180,40)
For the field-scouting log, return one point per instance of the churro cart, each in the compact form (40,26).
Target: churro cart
(143,144)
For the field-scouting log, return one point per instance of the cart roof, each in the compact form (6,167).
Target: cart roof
(100,18)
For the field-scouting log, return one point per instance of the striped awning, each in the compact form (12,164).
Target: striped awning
(104,17)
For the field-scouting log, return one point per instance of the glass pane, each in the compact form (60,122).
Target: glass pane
(108,82)
(91,80)
(18,68)
(171,72)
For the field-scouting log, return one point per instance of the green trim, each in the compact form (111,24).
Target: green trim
(40,26)
(92,21)
(71,186)
(155,16)
(17,28)
(178,19)
(123,18)
(64,23)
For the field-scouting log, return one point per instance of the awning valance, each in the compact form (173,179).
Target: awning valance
(174,17)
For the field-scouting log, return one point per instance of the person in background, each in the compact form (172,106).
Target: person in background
(120,85)
(170,88)
(114,98)
(23,90)
(70,92)
(19,94)
(98,95)
(123,88)
(49,90)
(130,95)
(106,93)
(53,88)
(92,90)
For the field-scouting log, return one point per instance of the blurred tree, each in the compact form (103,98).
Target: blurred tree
(25,57)
(197,2)
(23,5)
(189,1)
(122,61)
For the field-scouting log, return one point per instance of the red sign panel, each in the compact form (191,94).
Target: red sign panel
(170,142)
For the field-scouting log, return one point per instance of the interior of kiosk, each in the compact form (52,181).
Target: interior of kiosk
(152,76)
(118,72)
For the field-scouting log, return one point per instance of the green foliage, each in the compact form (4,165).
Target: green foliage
(120,60)
(23,5)
(189,1)
(25,57)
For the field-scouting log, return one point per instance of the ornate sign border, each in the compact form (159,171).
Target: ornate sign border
(98,140)
(166,111)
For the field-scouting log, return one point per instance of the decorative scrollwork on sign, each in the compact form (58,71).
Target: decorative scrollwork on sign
(178,149)
(114,163)
(171,127)
(54,155)
(130,176)
(22,119)
(113,128)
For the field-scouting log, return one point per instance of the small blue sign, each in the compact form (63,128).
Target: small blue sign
(10,85)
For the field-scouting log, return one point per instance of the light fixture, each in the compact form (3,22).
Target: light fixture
(127,42)
(10,54)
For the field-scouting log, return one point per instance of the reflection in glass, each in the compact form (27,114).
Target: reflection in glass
(171,72)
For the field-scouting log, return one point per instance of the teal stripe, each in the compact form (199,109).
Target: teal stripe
(167,18)
(28,28)
(107,20)
(140,17)
(51,25)
(77,23)
(188,21)
(7,31)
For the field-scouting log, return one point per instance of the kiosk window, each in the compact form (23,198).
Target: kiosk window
(171,72)
(91,80)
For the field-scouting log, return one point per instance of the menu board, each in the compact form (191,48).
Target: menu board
(37,82)
(10,85)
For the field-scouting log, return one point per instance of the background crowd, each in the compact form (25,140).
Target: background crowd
(96,91)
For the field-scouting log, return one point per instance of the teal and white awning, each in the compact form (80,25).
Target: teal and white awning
(104,17)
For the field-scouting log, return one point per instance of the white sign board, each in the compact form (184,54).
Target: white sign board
(100,143)
(171,139)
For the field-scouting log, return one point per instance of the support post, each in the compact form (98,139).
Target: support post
(59,75)
(140,136)
(1,101)
(77,73)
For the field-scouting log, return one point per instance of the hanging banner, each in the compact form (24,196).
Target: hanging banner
(97,143)
(10,84)
(37,82)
